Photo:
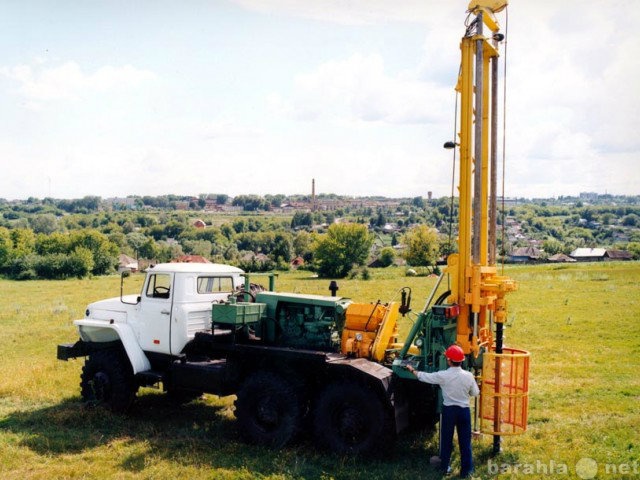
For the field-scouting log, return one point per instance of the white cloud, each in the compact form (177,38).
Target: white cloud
(229,129)
(358,89)
(572,100)
(39,84)
(354,12)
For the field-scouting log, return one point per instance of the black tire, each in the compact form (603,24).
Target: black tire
(424,414)
(351,419)
(181,397)
(107,380)
(268,410)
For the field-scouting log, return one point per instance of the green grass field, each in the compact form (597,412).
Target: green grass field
(580,322)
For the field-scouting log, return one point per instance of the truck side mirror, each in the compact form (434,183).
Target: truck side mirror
(125,274)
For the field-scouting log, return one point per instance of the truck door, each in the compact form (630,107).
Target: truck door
(155,313)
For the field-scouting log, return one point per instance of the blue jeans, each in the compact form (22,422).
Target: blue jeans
(460,419)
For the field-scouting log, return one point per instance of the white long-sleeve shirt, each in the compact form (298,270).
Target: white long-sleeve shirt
(457,385)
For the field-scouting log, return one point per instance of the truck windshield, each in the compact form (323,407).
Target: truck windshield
(215,284)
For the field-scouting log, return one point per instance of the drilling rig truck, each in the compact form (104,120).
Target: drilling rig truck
(296,361)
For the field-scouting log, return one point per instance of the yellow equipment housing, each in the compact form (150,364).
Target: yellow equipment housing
(370,330)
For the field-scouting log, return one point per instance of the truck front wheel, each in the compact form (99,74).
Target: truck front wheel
(268,409)
(107,380)
(350,419)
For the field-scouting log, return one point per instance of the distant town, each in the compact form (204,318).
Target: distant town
(56,238)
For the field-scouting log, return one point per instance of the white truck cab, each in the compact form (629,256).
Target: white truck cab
(174,304)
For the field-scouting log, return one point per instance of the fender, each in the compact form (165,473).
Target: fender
(103,331)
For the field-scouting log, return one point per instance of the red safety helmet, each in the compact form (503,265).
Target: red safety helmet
(454,353)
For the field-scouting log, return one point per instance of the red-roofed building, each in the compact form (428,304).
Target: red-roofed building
(190,259)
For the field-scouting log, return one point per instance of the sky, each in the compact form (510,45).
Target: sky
(116,98)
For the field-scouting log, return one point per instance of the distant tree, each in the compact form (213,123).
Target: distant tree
(344,245)
(418,202)
(104,252)
(551,246)
(227,231)
(128,227)
(240,226)
(149,249)
(631,220)
(282,248)
(302,243)
(275,200)
(422,246)
(634,248)
(23,267)
(80,263)
(23,242)
(302,219)
(387,256)
(56,243)
(588,214)
(167,252)
(173,229)
(447,247)
(46,223)
(6,246)
(250,203)
(197,247)
(329,218)
(118,238)
(136,240)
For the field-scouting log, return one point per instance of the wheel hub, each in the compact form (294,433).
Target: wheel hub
(100,386)
(267,414)
(351,424)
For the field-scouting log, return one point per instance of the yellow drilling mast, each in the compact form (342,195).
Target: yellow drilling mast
(475,282)
(476,285)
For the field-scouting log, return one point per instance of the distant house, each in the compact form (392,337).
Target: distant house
(377,263)
(525,255)
(125,262)
(561,258)
(199,224)
(297,262)
(588,254)
(612,255)
(190,259)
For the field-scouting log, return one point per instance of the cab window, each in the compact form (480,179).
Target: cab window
(215,284)
(159,285)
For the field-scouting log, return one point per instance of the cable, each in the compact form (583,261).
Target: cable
(453,177)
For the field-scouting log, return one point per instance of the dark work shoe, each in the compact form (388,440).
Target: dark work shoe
(467,475)
(446,471)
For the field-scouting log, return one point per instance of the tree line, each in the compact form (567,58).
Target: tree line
(252,244)
(40,239)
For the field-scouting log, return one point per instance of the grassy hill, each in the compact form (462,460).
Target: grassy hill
(580,322)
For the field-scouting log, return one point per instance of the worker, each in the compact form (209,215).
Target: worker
(457,386)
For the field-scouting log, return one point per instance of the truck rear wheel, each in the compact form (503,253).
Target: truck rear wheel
(350,419)
(268,409)
(180,396)
(107,380)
